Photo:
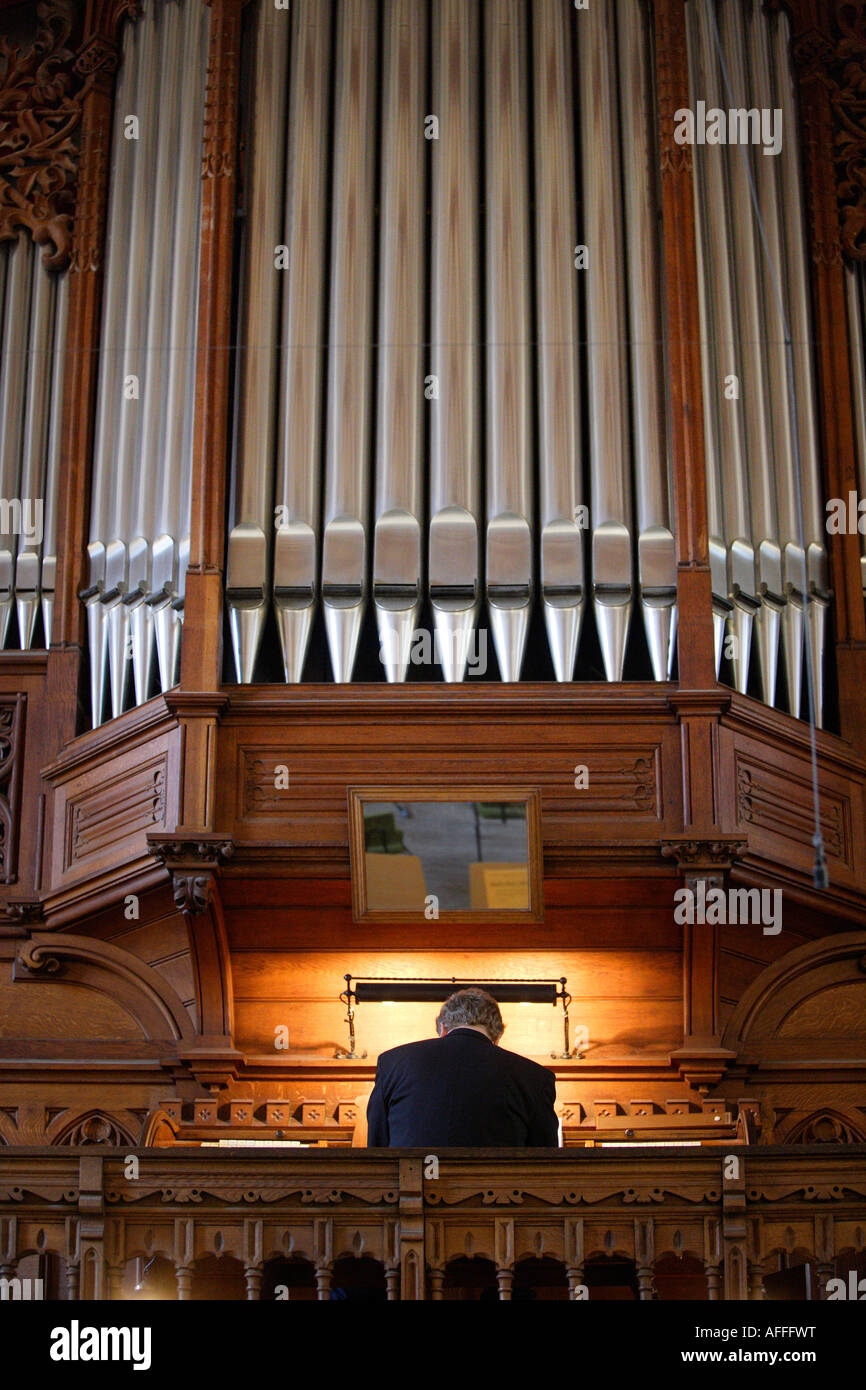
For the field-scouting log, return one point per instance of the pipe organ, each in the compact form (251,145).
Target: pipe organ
(33,316)
(766,519)
(142,463)
(444,445)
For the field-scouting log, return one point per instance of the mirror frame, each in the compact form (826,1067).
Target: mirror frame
(531,796)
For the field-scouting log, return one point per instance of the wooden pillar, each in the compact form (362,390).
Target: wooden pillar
(695,619)
(201,656)
(96,64)
(815,38)
(644,1250)
(411,1252)
(503,1244)
(184,1254)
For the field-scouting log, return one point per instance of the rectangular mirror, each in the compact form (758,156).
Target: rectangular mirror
(433,854)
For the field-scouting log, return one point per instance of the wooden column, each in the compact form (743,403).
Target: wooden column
(817,50)
(201,658)
(96,64)
(695,643)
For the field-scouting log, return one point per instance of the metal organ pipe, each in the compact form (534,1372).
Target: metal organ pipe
(814,572)
(347,464)
(142,442)
(134,356)
(52,468)
(732,559)
(156,364)
(509,427)
(455,441)
(398,496)
(13,385)
(751,348)
(559,448)
(299,435)
(657,569)
(34,443)
(174,476)
(250,539)
(110,385)
(782,454)
(606,336)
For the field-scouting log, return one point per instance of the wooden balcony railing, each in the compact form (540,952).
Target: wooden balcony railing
(712,1222)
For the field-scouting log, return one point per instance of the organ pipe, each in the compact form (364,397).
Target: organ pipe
(731,553)
(347,461)
(455,440)
(810,577)
(156,365)
(250,539)
(134,360)
(657,569)
(110,385)
(52,469)
(561,492)
(606,338)
(13,386)
(142,443)
(398,495)
(34,442)
(174,475)
(752,358)
(509,428)
(299,434)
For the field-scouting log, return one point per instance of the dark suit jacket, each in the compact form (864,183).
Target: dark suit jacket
(460,1091)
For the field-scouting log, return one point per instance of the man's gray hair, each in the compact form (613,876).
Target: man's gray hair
(472,1008)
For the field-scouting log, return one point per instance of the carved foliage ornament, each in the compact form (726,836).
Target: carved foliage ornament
(42,87)
(849,108)
(40,109)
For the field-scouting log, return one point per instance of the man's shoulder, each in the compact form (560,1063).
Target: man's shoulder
(405,1052)
(532,1072)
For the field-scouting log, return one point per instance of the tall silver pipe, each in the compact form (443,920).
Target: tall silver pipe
(13,388)
(398,497)
(725,418)
(455,440)
(110,387)
(709,377)
(157,363)
(559,445)
(134,355)
(347,464)
(174,475)
(299,433)
(657,565)
(55,445)
(250,539)
(606,337)
(507,259)
(31,487)
(753,380)
(857,340)
(768,172)
(814,572)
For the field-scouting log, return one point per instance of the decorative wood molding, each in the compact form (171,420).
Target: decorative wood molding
(12,709)
(193,862)
(714,854)
(142,991)
(849,109)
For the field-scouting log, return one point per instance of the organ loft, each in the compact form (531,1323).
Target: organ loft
(432,459)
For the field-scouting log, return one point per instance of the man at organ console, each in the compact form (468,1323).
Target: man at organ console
(462,1089)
